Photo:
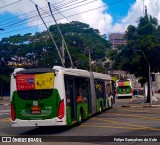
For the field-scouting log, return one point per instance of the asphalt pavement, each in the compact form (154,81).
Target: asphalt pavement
(5,100)
(114,122)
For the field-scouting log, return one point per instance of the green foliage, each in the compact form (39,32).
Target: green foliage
(30,51)
(144,37)
(4,78)
(142,81)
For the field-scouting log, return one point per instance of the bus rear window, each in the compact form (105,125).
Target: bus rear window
(124,87)
(35,94)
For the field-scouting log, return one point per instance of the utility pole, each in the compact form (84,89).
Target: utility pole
(145,11)
(143,6)
(89,60)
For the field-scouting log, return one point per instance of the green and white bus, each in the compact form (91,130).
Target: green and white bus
(124,88)
(58,96)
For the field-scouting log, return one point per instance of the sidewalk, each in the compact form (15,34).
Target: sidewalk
(5,100)
(139,101)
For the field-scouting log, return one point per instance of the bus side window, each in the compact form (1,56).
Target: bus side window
(85,91)
(82,90)
(79,95)
(99,86)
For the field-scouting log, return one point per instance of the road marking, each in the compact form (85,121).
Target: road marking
(130,128)
(139,111)
(122,123)
(6,120)
(135,116)
(147,122)
(130,122)
(132,99)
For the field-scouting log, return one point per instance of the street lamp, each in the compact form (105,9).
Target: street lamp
(149,77)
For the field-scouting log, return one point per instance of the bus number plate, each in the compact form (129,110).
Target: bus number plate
(36,112)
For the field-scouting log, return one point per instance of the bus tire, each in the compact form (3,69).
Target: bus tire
(100,108)
(111,103)
(80,117)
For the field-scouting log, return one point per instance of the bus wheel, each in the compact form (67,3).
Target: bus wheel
(80,118)
(100,108)
(111,103)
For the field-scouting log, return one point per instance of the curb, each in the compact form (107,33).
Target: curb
(132,106)
(154,106)
(141,106)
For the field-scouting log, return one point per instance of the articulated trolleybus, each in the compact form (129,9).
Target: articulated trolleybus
(58,96)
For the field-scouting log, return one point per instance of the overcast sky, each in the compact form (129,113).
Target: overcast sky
(113,16)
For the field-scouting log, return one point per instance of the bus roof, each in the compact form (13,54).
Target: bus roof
(123,80)
(69,71)
(83,73)
(37,70)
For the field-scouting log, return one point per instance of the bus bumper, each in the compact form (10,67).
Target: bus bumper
(124,95)
(29,123)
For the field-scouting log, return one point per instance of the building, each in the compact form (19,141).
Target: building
(117,39)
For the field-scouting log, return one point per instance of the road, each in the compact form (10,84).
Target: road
(112,125)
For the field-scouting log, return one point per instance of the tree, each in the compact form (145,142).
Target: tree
(146,38)
(30,51)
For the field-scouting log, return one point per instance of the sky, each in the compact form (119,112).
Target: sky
(109,16)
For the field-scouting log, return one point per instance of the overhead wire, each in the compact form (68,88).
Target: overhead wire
(12,19)
(10,4)
(20,22)
(66,16)
(58,11)
(19,15)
